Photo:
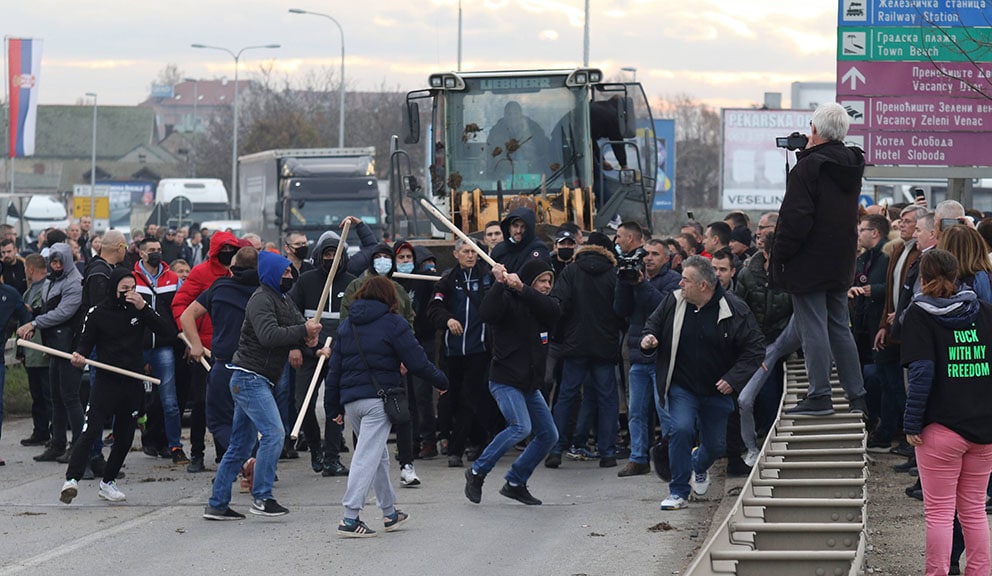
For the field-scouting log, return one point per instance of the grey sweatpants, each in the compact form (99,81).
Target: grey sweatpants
(370,464)
(824,325)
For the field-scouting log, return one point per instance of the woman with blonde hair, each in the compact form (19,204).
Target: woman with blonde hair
(948,416)
(972,253)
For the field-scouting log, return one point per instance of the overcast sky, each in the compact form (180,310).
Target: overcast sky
(724,52)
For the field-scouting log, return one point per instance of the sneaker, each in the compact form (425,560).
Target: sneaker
(858,406)
(334,468)
(316,461)
(473,486)
(878,444)
(408,476)
(553,460)
(211,513)
(428,450)
(737,468)
(69,491)
(608,462)
(751,458)
(634,469)
(108,441)
(267,507)
(34,441)
(109,491)
(472,453)
(150,451)
(289,450)
(815,406)
(581,454)
(659,454)
(700,483)
(454,461)
(394,520)
(519,493)
(903,449)
(354,528)
(178,456)
(196,465)
(50,454)
(905,466)
(674,502)
(65,456)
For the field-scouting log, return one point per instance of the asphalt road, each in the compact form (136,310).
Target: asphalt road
(591,523)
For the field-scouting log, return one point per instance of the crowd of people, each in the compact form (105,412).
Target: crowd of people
(650,349)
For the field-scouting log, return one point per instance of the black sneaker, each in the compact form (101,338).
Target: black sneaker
(289,450)
(354,528)
(659,454)
(906,466)
(179,457)
(607,462)
(815,406)
(98,464)
(473,486)
(858,406)
(334,468)
(268,507)
(33,441)
(211,513)
(878,444)
(553,460)
(519,493)
(50,454)
(65,456)
(317,461)
(394,520)
(454,461)
(196,465)
(151,451)
(903,449)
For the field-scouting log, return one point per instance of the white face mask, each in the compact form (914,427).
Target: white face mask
(382,266)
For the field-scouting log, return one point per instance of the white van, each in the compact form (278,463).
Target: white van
(40,212)
(207,196)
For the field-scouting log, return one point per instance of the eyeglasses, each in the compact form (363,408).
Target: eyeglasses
(860,230)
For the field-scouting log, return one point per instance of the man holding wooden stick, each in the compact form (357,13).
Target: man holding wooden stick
(113,327)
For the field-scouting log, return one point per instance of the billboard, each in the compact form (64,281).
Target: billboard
(753,168)
(664,137)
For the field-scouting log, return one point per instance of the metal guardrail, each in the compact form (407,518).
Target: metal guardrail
(803,509)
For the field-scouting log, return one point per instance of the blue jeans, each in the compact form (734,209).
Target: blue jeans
(3,378)
(686,408)
(643,394)
(524,412)
(254,412)
(604,384)
(163,363)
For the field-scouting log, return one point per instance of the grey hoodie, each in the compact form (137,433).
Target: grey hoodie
(67,289)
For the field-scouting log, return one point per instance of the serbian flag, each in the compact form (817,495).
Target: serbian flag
(23,66)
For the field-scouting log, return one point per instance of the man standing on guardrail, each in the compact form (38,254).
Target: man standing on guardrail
(816,244)
(710,345)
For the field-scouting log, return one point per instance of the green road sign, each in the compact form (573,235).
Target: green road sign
(915,44)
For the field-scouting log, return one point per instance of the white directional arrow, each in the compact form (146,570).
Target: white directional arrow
(853,75)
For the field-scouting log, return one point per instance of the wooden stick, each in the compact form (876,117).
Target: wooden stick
(93,363)
(405,276)
(306,401)
(334,270)
(203,361)
(444,219)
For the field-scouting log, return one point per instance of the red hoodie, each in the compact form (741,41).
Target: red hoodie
(200,278)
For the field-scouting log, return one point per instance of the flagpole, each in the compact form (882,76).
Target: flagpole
(6,93)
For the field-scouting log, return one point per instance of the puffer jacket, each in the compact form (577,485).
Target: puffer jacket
(386,341)
(589,327)
(771,308)
(273,326)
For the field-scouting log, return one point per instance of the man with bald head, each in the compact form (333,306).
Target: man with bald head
(96,275)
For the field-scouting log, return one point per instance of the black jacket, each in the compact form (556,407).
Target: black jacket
(520,323)
(771,308)
(866,314)
(514,255)
(307,290)
(816,240)
(742,350)
(636,303)
(585,291)
(117,330)
(459,294)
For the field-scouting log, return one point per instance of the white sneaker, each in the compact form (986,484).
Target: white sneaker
(674,502)
(109,491)
(751,458)
(700,483)
(69,491)
(408,477)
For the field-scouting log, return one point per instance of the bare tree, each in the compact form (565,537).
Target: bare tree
(171,75)
(697,150)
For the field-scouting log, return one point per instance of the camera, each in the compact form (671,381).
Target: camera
(630,267)
(794,141)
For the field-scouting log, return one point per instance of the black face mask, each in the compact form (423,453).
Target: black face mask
(565,254)
(301,252)
(55,275)
(225,258)
(286,284)
(122,299)
(325,265)
(154,260)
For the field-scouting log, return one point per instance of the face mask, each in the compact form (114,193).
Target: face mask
(286,284)
(154,259)
(430,267)
(301,252)
(325,265)
(122,299)
(382,266)
(225,258)
(56,275)
(565,254)
(405,267)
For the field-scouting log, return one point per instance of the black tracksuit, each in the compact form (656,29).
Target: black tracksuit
(114,330)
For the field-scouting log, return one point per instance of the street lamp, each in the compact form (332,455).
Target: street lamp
(234,146)
(196,98)
(93,164)
(632,70)
(341,105)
